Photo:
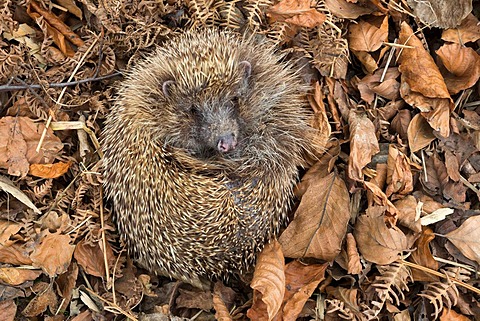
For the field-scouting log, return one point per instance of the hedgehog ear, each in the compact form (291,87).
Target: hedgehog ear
(166,87)
(246,67)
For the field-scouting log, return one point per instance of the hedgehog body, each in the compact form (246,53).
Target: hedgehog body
(202,149)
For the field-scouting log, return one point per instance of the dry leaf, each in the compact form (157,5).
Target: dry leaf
(91,258)
(378,198)
(71,7)
(451,315)
(13,253)
(221,311)
(16,276)
(354,266)
(45,298)
(368,35)
(388,88)
(460,66)
(363,144)
(399,175)
(49,170)
(441,13)
(53,254)
(301,280)
(467,31)
(268,283)
(376,242)
(420,134)
(422,84)
(320,222)
(407,213)
(19,138)
(8,186)
(66,283)
(296,12)
(348,10)
(423,257)
(467,238)
(9,309)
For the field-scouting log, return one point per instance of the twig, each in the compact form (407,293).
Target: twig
(5,88)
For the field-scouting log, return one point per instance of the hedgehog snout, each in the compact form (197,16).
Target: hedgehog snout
(227,143)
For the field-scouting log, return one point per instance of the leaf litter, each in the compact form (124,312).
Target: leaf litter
(386,222)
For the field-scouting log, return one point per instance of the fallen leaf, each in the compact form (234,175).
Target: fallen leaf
(422,256)
(378,198)
(268,283)
(320,222)
(9,310)
(347,10)
(296,12)
(45,298)
(16,276)
(399,174)
(49,170)
(363,144)
(441,13)
(451,315)
(300,282)
(53,254)
(90,258)
(19,137)
(388,88)
(467,238)
(66,283)
(354,265)
(368,35)
(420,134)
(467,31)
(436,216)
(422,84)
(376,242)
(460,66)
(407,213)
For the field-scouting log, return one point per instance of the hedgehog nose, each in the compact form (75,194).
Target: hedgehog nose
(227,143)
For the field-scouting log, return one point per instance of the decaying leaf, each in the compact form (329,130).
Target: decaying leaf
(441,13)
(49,170)
(268,283)
(90,258)
(420,134)
(467,31)
(423,256)
(16,276)
(320,222)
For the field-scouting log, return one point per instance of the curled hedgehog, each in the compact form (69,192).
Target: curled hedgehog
(201,153)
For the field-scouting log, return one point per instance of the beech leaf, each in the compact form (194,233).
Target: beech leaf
(467,238)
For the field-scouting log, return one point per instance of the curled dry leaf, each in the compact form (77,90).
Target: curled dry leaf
(368,35)
(300,281)
(221,311)
(388,88)
(66,283)
(354,266)
(467,238)
(16,276)
(268,283)
(422,84)
(408,215)
(49,170)
(376,242)
(19,138)
(441,13)
(423,257)
(460,66)
(320,222)
(378,198)
(363,144)
(399,174)
(53,254)
(296,12)
(467,31)
(420,134)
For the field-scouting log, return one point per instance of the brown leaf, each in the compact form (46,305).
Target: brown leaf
(9,309)
(91,258)
(49,170)
(354,266)
(53,254)
(7,229)
(221,311)
(420,134)
(467,31)
(467,238)
(296,12)
(45,298)
(223,301)
(451,315)
(195,299)
(407,213)
(441,13)
(399,175)
(13,253)
(460,66)
(268,283)
(71,7)
(368,35)
(376,242)
(19,138)
(16,276)
(422,84)
(320,222)
(423,256)
(378,198)
(347,10)
(363,144)
(66,283)
(388,88)
(300,281)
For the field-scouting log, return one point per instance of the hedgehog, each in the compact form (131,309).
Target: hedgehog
(202,148)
